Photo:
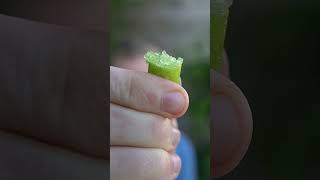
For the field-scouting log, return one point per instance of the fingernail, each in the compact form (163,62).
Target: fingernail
(175,137)
(226,129)
(176,164)
(173,103)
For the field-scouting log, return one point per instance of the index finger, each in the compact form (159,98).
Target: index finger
(148,93)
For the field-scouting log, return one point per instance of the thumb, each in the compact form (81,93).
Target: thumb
(148,93)
(232,125)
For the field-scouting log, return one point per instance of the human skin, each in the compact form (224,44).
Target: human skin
(93,18)
(45,90)
(48,41)
(82,17)
(153,153)
(230,116)
(25,158)
(81,14)
(231,123)
(143,135)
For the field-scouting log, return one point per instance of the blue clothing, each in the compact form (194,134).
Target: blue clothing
(187,154)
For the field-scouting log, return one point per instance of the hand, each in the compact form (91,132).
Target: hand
(65,103)
(232,123)
(143,135)
(78,14)
(27,158)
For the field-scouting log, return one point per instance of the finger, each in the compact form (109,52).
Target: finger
(232,125)
(81,17)
(136,63)
(138,129)
(68,84)
(23,158)
(147,93)
(175,123)
(143,163)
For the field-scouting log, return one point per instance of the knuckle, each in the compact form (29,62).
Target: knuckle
(141,91)
(148,92)
(130,86)
(151,98)
(161,133)
(165,164)
(156,164)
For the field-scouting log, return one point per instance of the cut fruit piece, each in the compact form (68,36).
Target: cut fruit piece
(164,65)
(219,20)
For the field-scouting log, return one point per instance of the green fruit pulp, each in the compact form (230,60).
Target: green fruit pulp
(164,65)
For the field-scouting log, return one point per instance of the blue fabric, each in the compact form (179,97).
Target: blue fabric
(187,154)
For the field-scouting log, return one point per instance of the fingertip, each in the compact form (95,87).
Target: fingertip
(176,165)
(175,104)
(232,125)
(148,93)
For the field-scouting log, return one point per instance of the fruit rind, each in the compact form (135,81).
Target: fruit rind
(164,65)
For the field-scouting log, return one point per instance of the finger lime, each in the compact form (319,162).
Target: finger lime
(164,65)
(219,20)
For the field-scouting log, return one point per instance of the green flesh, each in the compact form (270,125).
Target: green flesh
(164,65)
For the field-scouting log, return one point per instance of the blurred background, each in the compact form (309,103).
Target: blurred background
(182,28)
(273,48)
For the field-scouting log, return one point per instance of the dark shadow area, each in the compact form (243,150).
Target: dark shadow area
(273,47)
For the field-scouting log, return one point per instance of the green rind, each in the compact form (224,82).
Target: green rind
(218,31)
(164,66)
(219,20)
